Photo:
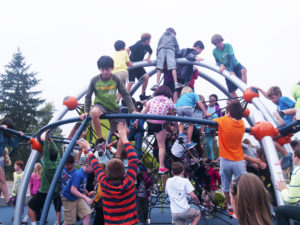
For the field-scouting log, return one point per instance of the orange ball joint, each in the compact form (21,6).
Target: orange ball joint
(249,94)
(246,112)
(36,145)
(263,129)
(70,102)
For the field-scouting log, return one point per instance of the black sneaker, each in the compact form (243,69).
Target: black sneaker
(144,97)
(101,146)
(180,139)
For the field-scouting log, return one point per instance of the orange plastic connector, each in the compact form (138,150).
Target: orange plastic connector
(71,102)
(249,94)
(263,129)
(246,112)
(285,140)
(36,145)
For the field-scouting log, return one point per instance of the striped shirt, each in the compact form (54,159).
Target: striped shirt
(292,193)
(118,199)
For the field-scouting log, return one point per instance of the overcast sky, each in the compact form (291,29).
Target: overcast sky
(63,40)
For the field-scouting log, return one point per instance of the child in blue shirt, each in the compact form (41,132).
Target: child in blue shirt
(185,107)
(75,197)
(275,95)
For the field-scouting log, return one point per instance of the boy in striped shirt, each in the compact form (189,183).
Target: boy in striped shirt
(118,187)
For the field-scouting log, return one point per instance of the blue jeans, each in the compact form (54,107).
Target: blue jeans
(137,136)
(286,212)
(209,146)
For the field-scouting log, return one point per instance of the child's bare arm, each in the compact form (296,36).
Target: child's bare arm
(194,197)
(200,104)
(261,91)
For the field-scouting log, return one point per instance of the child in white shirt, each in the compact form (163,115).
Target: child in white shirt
(178,188)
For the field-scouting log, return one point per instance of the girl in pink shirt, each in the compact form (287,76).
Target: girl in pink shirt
(161,104)
(35,179)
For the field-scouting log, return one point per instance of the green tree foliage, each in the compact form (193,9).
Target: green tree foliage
(18,100)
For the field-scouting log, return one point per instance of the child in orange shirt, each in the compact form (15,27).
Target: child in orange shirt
(231,129)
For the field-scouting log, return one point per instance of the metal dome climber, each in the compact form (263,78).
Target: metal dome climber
(261,113)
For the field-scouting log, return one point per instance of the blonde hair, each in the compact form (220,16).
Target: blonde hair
(38,170)
(185,90)
(252,200)
(7,161)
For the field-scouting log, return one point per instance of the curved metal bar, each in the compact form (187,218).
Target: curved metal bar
(272,158)
(55,124)
(19,208)
(140,82)
(14,132)
(60,168)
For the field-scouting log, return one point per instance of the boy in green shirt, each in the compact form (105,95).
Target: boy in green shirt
(105,86)
(51,160)
(225,58)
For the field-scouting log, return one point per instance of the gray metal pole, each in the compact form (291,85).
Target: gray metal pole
(19,208)
(59,169)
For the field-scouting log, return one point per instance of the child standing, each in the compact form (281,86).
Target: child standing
(105,86)
(35,179)
(225,58)
(178,188)
(51,160)
(144,182)
(231,129)
(166,51)
(185,107)
(137,53)
(214,109)
(118,187)
(161,104)
(76,198)
(121,61)
(18,167)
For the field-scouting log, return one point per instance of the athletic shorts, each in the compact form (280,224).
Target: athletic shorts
(57,202)
(37,202)
(171,85)
(154,128)
(166,54)
(122,75)
(237,70)
(229,168)
(72,208)
(184,217)
(113,122)
(136,73)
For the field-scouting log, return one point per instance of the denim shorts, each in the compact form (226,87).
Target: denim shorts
(237,70)
(166,54)
(185,111)
(229,168)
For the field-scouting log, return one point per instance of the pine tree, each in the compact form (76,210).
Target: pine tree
(17,99)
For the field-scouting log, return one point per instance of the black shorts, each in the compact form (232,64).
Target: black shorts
(57,202)
(171,85)
(237,70)
(37,202)
(154,128)
(136,73)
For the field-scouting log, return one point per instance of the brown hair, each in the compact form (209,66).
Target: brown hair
(115,169)
(145,37)
(274,90)
(235,109)
(216,39)
(252,200)
(177,168)
(297,151)
(7,161)
(20,163)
